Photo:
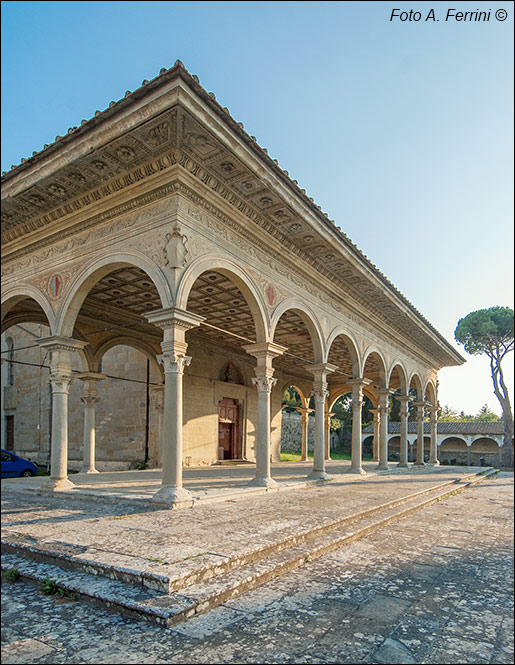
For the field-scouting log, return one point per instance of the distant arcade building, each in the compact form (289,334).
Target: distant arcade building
(159,246)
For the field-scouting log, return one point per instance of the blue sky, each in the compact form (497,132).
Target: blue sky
(401,131)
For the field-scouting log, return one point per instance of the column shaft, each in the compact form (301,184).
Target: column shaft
(383,429)
(433,451)
(404,411)
(420,433)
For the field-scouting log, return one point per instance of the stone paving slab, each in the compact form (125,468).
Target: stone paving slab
(450,567)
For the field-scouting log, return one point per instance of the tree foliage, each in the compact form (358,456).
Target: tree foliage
(491,332)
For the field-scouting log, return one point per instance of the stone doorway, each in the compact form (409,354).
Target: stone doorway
(228,429)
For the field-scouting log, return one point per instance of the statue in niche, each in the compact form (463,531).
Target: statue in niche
(231,374)
(176,252)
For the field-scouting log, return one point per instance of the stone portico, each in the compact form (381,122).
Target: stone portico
(161,225)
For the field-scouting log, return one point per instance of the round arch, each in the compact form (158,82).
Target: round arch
(94,271)
(308,318)
(303,393)
(11,297)
(401,372)
(139,345)
(239,277)
(430,392)
(415,378)
(352,347)
(373,350)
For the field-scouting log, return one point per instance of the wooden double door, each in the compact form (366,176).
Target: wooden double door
(228,429)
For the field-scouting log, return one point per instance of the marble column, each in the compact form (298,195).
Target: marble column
(327,434)
(264,352)
(175,323)
(60,349)
(404,411)
(320,394)
(433,446)
(420,433)
(357,403)
(89,399)
(383,428)
(375,444)
(157,400)
(304,413)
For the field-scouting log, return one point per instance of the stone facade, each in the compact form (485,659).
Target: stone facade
(161,225)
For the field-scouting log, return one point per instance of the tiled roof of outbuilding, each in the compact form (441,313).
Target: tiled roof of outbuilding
(470,427)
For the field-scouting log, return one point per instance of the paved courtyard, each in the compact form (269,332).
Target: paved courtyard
(435,587)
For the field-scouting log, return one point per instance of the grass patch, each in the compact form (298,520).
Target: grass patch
(50,587)
(11,575)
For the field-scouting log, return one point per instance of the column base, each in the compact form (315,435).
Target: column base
(173,497)
(358,470)
(84,471)
(375,459)
(382,467)
(56,484)
(320,475)
(263,481)
(419,464)
(403,465)
(433,463)
(304,459)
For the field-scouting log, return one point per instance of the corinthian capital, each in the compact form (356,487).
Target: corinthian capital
(173,362)
(264,383)
(60,381)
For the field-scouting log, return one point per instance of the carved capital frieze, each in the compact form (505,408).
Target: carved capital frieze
(173,363)
(60,381)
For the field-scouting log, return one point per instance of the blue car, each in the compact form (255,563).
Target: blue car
(14,466)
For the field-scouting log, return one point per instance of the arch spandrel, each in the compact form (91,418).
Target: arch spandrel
(79,288)
(239,277)
(11,297)
(308,317)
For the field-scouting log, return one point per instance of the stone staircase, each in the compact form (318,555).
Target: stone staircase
(185,589)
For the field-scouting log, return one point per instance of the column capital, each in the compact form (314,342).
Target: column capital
(420,404)
(59,343)
(174,317)
(384,391)
(266,351)
(60,380)
(264,383)
(403,398)
(359,382)
(174,323)
(89,399)
(304,411)
(321,370)
(173,362)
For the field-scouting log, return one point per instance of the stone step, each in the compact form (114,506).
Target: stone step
(168,608)
(170,577)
